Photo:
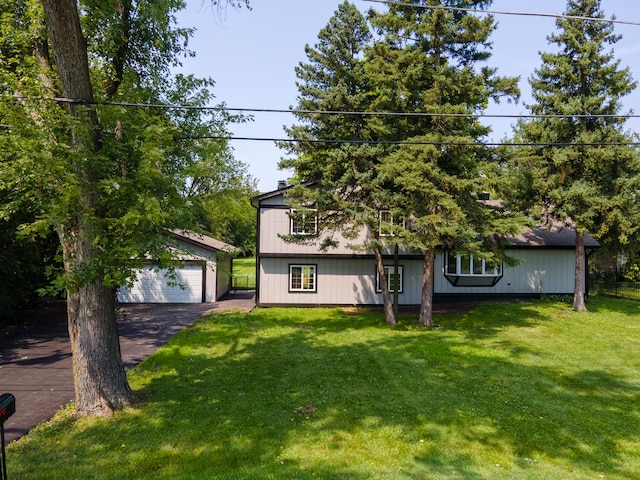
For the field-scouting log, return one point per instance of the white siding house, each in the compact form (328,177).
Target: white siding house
(202,277)
(300,274)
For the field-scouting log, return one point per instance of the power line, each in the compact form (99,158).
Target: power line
(412,142)
(332,112)
(498,12)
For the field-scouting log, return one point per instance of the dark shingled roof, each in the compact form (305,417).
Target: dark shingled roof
(559,235)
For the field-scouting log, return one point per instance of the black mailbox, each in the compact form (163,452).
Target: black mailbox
(7,407)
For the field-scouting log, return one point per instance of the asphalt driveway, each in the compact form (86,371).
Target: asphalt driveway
(35,364)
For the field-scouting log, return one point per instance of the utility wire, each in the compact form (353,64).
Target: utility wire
(497,12)
(412,142)
(332,112)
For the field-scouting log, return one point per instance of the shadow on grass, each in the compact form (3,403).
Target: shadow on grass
(280,395)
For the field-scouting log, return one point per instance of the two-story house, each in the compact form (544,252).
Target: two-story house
(300,274)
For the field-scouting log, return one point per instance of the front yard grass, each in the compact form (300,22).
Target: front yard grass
(504,391)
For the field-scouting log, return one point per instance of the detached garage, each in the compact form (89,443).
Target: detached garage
(202,277)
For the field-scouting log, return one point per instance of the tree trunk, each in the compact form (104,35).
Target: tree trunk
(99,377)
(426,301)
(396,283)
(578,292)
(384,286)
(98,372)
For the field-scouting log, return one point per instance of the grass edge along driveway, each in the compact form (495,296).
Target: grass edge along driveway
(504,391)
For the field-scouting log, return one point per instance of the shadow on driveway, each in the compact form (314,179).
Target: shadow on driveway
(35,363)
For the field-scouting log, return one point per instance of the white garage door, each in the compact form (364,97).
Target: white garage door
(157,287)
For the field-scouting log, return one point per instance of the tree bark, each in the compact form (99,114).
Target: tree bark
(426,301)
(396,284)
(99,376)
(578,292)
(384,286)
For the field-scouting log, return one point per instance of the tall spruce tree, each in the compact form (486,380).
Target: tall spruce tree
(579,167)
(338,180)
(430,60)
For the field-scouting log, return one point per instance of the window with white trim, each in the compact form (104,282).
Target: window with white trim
(391,279)
(302,278)
(465,270)
(303,223)
(386,221)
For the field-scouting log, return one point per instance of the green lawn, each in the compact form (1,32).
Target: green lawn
(505,391)
(244,273)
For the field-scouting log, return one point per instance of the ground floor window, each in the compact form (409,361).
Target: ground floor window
(392,281)
(465,270)
(302,278)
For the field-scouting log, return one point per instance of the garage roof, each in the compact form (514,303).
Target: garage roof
(203,241)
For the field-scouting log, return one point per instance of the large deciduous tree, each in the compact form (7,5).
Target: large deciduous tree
(579,166)
(109,178)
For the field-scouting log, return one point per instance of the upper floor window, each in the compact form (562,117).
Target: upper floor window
(392,281)
(387,222)
(303,223)
(465,270)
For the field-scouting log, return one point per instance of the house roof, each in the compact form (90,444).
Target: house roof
(203,241)
(267,195)
(559,235)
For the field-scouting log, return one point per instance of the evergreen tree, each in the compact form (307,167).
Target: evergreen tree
(338,180)
(425,61)
(579,167)
(429,61)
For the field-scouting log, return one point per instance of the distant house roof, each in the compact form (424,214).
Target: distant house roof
(203,241)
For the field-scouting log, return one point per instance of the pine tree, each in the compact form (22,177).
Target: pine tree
(579,167)
(430,61)
(338,179)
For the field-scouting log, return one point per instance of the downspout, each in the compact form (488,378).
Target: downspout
(257,207)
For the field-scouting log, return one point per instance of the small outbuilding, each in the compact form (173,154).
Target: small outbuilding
(201,277)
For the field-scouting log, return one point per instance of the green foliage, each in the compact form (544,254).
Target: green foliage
(229,216)
(632,272)
(151,168)
(525,391)
(579,167)
(421,61)
(431,61)
(24,263)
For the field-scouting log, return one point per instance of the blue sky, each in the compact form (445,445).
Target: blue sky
(252,55)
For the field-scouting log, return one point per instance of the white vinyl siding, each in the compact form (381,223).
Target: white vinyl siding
(539,272)
(275,223)
(351,281)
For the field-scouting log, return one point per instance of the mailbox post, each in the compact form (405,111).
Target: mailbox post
(7,408)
